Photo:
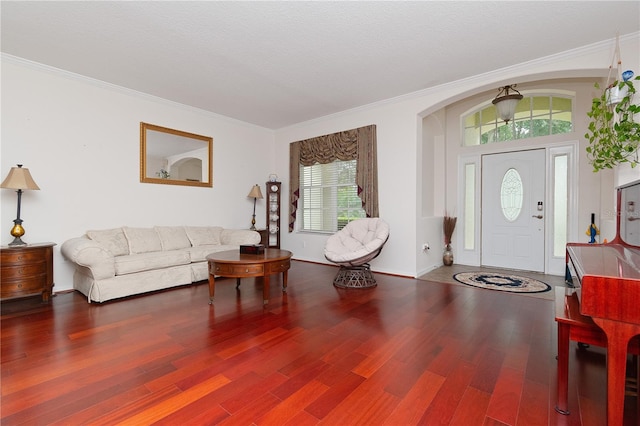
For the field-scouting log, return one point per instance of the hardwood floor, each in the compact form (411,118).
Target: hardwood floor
(406,352)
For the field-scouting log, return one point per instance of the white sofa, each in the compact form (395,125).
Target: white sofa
(120,262)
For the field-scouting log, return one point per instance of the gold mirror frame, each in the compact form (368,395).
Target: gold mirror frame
(174,157)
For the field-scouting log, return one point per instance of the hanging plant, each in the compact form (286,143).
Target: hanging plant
(613,133)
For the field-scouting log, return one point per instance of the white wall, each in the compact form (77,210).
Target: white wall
(400,134)
(80,140)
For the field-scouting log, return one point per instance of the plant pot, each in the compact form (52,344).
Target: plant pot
(615,94)
(447,255)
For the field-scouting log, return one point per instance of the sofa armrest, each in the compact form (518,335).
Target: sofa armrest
(88,253)
(236,237)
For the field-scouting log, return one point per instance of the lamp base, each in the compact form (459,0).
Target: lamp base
(17,242)
(17,231)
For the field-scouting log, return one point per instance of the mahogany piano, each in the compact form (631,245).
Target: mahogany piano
(607,294)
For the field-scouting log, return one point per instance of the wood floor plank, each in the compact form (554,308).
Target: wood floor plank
(384,351)
(237,402)
(443,407)
(152,414)
(506,396)
(341,386)
(412,407)
(537,410)
(488,370)
(252,411)
(472,408)
(293,404)
(406,352)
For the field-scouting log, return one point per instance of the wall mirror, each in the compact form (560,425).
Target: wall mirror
(629,209)
(174,157)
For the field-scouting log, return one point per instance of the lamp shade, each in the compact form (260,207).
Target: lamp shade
(255,192)
(507,103)
(19,178)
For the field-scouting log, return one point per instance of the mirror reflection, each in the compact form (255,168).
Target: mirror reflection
(174,157)
(630,214)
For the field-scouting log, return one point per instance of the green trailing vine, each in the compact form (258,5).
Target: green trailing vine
(613,133)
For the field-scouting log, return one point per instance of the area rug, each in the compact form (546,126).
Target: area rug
(502,282)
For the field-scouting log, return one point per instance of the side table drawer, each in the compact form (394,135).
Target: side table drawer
(238,270)
(23,271)
(23,287)
(22,257)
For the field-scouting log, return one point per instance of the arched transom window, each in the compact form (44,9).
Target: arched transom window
(536,115)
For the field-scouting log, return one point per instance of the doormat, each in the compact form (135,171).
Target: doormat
(502,282)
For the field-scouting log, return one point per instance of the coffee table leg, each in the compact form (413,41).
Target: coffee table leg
(265,289)
(284,281)
(212,288)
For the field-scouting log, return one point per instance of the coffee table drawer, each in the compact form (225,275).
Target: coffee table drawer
(280,266)
(227,270)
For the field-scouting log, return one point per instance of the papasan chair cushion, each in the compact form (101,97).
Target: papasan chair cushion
(353,247)
(358,242)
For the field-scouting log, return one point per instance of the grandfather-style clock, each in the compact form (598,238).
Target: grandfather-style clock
(273,214)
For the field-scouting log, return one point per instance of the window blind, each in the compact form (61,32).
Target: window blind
(329,196)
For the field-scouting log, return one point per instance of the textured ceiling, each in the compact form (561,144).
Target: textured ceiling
(274,64)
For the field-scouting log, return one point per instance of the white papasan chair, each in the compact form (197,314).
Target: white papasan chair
(353,247)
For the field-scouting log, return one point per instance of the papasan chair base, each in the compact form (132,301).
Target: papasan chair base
(355,277)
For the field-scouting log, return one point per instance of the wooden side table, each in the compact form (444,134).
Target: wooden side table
(26,271)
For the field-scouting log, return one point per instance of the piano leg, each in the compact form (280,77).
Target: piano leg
(618,336)
(562,405)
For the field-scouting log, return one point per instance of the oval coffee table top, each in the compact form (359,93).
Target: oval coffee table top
(234,256)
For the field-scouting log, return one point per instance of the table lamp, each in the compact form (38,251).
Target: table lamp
(19,179)
(256,194)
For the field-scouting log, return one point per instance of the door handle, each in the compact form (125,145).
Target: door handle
(537,216)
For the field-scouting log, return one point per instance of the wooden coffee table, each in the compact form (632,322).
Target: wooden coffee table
(236,265)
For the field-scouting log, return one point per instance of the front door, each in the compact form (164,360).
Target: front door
(513,210)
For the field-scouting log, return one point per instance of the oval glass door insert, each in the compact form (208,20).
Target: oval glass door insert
(511,195)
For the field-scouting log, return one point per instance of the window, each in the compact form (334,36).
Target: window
(340,167)
(536,115)
(329,196)
(511,195)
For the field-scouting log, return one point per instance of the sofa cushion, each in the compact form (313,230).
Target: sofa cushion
(112,240)
(236,237)
(150,261)
(200,253)
(203,235)
(173,237)
(142,240)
